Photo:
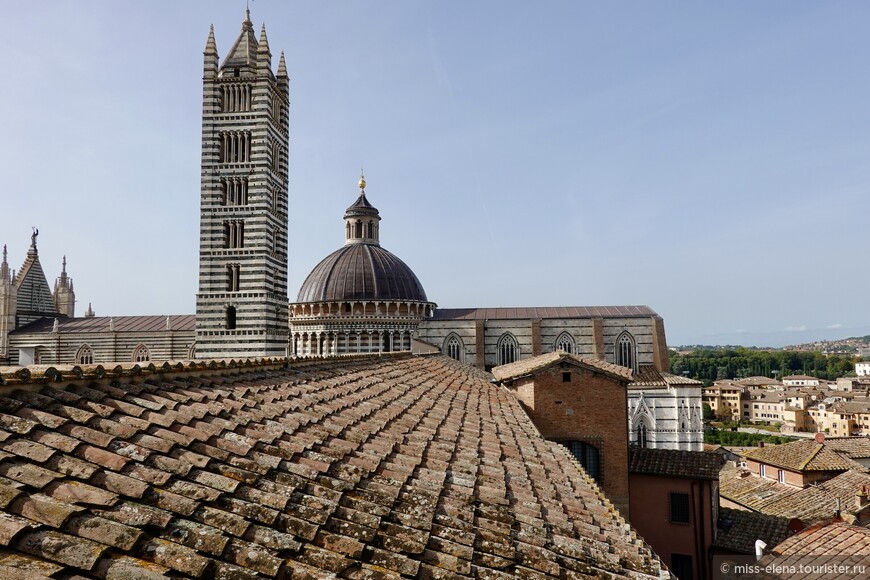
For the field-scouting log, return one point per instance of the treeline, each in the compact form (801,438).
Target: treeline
(710,365)
(739,439)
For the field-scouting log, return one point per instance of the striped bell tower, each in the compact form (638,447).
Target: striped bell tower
(241,306)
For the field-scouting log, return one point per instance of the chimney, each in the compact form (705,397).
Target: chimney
(761,443)
(861,499)
(760,545)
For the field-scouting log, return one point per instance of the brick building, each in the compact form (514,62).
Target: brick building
(581,403)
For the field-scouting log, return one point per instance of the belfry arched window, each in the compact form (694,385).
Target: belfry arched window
(85,355)
(565,343)
(453,347)
(626,351)
(508,349)
(141,354)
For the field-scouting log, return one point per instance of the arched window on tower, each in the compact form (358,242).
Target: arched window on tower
(358,227)
(507,349)
(141,354)
(85,355)
(565,343)
(370,233)
(453,347)
(626,351)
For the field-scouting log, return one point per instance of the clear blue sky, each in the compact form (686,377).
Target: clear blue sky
(708,159)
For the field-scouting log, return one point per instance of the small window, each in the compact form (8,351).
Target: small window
(762,470)
(85,356)
(780,476)
(566,377)
(680,508)
(141,354)
(231,317)
(681,566)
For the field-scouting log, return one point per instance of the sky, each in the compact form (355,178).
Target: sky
(708,159)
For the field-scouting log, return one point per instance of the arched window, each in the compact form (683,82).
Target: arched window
(588,456)
(565,342)
(641,434)
(371,230)
(85,355)
(231,317)
(191,352)
(453,347)
(626,351)
(508,349)
(358,233)
(141,354)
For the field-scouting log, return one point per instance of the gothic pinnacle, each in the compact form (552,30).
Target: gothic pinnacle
(282,67)
(210,45)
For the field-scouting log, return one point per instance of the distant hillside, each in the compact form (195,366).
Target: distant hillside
(851,345)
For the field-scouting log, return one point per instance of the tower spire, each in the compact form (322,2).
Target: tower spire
(210,44)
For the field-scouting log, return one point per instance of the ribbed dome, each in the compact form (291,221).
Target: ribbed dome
(361,272)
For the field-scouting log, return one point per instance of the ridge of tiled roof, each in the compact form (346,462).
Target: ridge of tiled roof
(674,463)
(804,455)
(739,529)
(376,468)
(528,366)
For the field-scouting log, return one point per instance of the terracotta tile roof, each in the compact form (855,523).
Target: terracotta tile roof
(647,376)
(531,365)
(544,312)
(377,468)
(184,322)
(808,553)
(853,447)
(809,504)
(805,455)
(674,463)
(737,530)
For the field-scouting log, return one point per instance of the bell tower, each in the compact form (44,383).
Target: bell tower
(241,306)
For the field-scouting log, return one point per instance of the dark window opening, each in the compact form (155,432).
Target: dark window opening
(231,317)
(566,377)
(680,508)
(681,566)
(588,456)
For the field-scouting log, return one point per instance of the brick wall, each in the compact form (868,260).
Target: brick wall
(592,407)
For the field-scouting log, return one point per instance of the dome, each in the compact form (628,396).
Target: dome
(361,272)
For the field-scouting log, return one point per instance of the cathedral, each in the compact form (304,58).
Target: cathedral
(360,299)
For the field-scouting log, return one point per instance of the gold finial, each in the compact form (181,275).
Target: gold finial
(362,181)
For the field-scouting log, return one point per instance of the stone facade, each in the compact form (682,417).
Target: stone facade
(241,307)
(665,411)
(488,337)
(103,340)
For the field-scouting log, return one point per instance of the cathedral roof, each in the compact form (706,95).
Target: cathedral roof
(95,324)
(379,468)
(361,272)
(545,312)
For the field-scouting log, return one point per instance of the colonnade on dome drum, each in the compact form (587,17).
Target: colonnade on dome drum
(320,329)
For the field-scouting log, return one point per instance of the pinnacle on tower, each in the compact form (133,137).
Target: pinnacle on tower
(263,45)
(282,67)
(210,44)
